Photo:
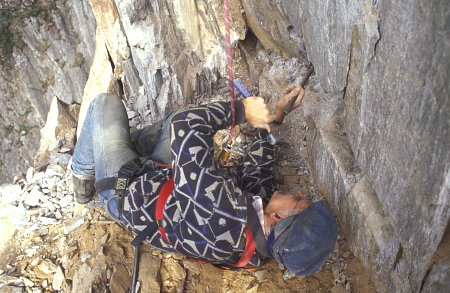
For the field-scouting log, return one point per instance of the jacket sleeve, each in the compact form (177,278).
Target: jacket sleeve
(257,177)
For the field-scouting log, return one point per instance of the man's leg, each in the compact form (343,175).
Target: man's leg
(104,144)
(154,141)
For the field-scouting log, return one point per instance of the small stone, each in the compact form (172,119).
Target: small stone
(178,256)
(9,280)
(73,224)
(30,174)
(104,238)
(131,114)
(58,143)
(65,201)
(49,206)
(193,266)
(27,282)
(54,170)
(58,279)
(62,159)
(45,270)
(34,197)
(48,221)
(175,270)
(288,275)
(31,251)
(260,275)
(9,193)
(85,256)
(58,215)
(253,289)
(62,185)
(64,150)
(43,231)
(34,262)
(17,178)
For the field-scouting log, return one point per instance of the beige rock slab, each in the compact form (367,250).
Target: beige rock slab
(120,279)
(149,266)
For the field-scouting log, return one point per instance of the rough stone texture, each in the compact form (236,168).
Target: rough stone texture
(439,278)
(326,27)
(277,34)
(395,108)
(60,125)
(164,53)
(398,114)
(149,272)
(54,61)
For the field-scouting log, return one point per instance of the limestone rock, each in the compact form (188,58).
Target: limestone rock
(45,269)
(439,278)
(34,197)
(9,193)
(53,60)
(59,130)
(149,266)
(58,279)
(175,270)
(120,279)
(73,224)
(278,33)
(260,275)
(6,280)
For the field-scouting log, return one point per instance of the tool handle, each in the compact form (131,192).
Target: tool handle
(302,84)
(239,85)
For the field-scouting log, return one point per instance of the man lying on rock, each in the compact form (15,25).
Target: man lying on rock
(192,207)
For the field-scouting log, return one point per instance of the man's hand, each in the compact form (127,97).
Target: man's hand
(290,92)
(257,113)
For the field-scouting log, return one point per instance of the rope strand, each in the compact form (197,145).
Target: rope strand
(226,15)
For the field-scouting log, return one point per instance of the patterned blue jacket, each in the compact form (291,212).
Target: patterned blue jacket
(206,213)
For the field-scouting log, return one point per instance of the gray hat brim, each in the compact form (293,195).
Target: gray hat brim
(303,242)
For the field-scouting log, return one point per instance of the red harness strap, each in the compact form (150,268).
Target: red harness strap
(249,250)
(163,165)
(166,190)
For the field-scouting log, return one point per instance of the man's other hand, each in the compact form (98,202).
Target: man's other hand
(290,92)
(257,112)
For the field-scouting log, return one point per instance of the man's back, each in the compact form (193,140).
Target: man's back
(206,214)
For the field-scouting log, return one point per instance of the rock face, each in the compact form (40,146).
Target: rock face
(386,164)
(377,107)
(54,59)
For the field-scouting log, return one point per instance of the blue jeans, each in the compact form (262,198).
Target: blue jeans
(105,143)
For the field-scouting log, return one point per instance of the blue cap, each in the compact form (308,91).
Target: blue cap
(303,242)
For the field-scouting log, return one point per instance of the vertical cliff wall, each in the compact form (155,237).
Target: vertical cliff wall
(47,49)
(382,153)
(377,108)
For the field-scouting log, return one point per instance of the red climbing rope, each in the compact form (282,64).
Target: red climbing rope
(226,16)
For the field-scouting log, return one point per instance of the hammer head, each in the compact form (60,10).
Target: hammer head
(277,132)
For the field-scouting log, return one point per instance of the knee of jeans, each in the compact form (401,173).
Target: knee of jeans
(103,99)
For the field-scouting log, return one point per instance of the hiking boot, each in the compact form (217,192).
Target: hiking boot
(84,189)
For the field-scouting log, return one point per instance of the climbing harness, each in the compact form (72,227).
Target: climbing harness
(166,190)
(134,168)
